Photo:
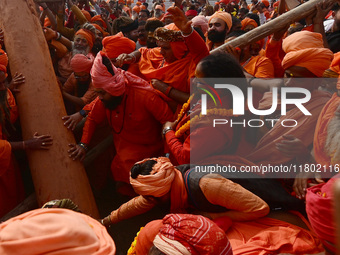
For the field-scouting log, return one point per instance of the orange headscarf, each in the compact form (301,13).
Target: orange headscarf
(226,17)
(87,15)
(88,36)
(57,231)
(99,18)
(248,21)
(306,49)
(3,61)
(81,63)
(117,44)
(99,28)
(136,8)
(163,178)
(265,2)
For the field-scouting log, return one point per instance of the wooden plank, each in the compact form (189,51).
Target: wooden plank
(41,107)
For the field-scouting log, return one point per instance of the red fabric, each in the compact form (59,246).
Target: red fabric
(320,135)
(99,18)
(3,61)
(11,186)
(191,13)
(117,44)
(321,213)
(114,85)
(275,53)
(140,124)
(265,2)
(271,236)
(81,63)
(146,237)
(199,235)
(88,36)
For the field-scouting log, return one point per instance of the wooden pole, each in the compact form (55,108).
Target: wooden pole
(41,107)
(274,25)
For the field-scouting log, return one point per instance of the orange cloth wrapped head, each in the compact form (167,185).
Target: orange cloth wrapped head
(99,28)
(87,15)
(117,44)
(163,178)
(136,8)
(248,21)
(265,2)
(89,36)
(226,17)
(225,1)
(191,234)
(55,231)
(202,22)
(81,63)
(306,49)
(175,38)
(99,18)
(3,61)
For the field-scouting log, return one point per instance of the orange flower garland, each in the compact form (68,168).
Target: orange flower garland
(212,112)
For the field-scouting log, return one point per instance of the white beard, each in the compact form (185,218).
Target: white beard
(332,146)
(76,51)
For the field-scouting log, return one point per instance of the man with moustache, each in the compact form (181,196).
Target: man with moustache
(133,110)
(219,26)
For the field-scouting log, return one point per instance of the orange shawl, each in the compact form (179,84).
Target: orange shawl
(176,74)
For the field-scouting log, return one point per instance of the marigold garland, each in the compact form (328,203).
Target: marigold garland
(132,249)
(211,112)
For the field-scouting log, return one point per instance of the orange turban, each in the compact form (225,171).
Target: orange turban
(88,36)
(302,40)
(114,85)
(57,231)
(117,44)
(87,15)
(306,49)
(138,3)
(81,63)
(276,4)
(99,28)
(226,17)
(3,61)
(191,234)
(99,18)
(163,178)
(143,7)
(248,21)
(265,2)
(136,8)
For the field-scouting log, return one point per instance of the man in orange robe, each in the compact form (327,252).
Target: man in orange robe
(170,66)
(134,112)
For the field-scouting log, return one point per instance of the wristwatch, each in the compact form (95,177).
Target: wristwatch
(166,130)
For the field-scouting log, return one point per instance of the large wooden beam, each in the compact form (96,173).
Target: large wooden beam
(274,25)
(41,107)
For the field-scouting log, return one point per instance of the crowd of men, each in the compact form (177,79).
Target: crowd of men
(140,70)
